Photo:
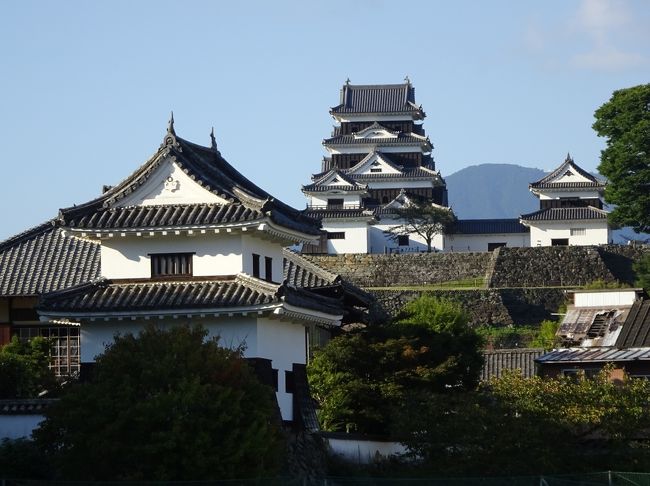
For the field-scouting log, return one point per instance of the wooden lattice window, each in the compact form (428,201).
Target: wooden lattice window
(171,264)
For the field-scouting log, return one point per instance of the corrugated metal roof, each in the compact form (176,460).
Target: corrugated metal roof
(564,214)
(44,259)
(594,355)
(493,226)
(636,329)
(498,361)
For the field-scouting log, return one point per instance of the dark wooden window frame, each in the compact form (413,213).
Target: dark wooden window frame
(336,235)
(268,269)
(256,265)
(165,265)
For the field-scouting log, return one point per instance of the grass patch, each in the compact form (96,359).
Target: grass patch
(464,284)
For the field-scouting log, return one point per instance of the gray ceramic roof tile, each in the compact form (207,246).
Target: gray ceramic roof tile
(501,360)
(44,259)
(384,98)
(564,214)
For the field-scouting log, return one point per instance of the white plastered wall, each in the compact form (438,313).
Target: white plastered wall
(550,194)
(282,342)
(381,242)
(596,232)
(349,200)
(285,344)
(214,255)
(265,248)
(479,242)
(169,185)
(613,297)
(356,236)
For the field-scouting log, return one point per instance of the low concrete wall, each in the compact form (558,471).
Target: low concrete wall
(357,449)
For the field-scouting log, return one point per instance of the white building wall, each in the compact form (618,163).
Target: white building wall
(605,298)
(356,236)
(352,200)
(361,451)
(265,248)
(596,232)
(285,343)
(282,342)
(233,332)
(402,184)
(127,257)
(550,194)
(479,242)
(381,242)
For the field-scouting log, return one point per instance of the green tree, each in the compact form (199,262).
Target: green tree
(625,122)
(24,368)
(518,426)
(424,219)
(361,380)
(164,405)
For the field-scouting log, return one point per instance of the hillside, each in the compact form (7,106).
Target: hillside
(492,191)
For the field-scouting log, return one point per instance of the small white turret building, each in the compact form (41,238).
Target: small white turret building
(570,208)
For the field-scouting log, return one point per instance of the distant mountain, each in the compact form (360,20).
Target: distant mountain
(492,191)
(501,191)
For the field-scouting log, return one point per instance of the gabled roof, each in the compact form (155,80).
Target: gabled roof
(207,168)
(598,354)
(374,154)
(43,259)
(376,126)
(382,98)
(323,183)
(549,181)
(565,214)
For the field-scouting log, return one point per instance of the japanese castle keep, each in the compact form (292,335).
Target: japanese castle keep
(379,159)
(377,154)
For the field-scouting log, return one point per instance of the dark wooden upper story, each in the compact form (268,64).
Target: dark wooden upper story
(406,126)
(570,202)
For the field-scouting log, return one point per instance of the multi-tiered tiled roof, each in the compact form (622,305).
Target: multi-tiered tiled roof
(378,98)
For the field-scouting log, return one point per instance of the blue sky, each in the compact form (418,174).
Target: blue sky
(87,87)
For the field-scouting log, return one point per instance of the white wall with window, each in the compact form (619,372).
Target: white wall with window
(381,241)
(594,232)
(346,236)
(484,242)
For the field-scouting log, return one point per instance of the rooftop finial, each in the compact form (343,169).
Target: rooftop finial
(213,141)
(347,81)
(170,125)
(407,80)
(568,157)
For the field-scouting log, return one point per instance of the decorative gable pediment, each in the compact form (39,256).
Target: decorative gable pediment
(169,184)
(335,179)
(375,131)
(375,163)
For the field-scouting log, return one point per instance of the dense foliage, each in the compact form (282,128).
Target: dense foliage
(424,219)
(164,405)
(519,426)
(625,122)
(362,379)
(24,368)
(642,271)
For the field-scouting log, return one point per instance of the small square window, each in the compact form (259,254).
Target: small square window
(578,231)
(289,382)
(256,265)
(403,240)
(336,235)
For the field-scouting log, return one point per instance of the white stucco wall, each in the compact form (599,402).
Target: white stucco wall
(214,255)
(18,426)
(550,194)
(356,236)
(423,184)
(605,298)
(353,200)
(380,242)
(169,185)
(359,451)
(283,342)
(265,248)
(460,242)
(597,232)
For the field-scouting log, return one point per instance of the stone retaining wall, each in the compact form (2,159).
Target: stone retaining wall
(489,307)
(405,269)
